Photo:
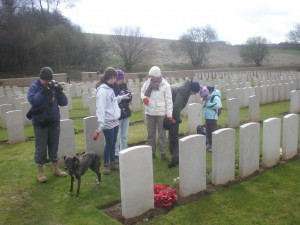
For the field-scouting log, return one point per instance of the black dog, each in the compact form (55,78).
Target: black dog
(77,166)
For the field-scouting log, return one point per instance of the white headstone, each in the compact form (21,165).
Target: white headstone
(66,145)
(223,155)
(136,180)
(15,126)
(90,125)
(249,148)
(136,102)
(194,117)
(295,102)
(64,112)
(92,106)
(290,136)
(25,108)
(3,109)
(271,142)
(233,113)
(253,108)
(192,164)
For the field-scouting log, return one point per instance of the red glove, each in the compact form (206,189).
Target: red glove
(96,135)
(146,101)
(170,118)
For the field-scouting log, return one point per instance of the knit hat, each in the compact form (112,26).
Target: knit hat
(155,71)
(120,74)
(204,92)
(195,86)
(211,88)
(46,73)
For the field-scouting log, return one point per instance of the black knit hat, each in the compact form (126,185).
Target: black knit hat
(195,86)
(46,73)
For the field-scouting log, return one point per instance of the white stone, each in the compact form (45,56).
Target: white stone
(3,109)
(295,102)
(90,125)
(64,112)
(192,164)
(253,109)
(290,136)
(233,113)
(249,149)
(223,155)
(25,108)
(15,126)
(92,106)
(136,180)
(136,102)
(66,146)
(271,142)
(194,117)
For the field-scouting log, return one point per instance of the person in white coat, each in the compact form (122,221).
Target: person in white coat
(108,113)
(157,98)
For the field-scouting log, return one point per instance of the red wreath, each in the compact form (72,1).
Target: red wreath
(164,196)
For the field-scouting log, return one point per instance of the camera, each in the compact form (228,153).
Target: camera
(55,85)
(127,92)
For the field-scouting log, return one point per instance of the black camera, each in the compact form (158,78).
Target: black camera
(55,85)
(128,92)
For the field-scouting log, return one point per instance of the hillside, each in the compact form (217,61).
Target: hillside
(221,55)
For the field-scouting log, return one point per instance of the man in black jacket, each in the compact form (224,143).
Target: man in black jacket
(180,95)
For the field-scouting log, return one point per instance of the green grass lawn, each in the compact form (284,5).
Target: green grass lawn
(270,198)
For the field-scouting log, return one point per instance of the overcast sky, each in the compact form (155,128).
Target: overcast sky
(234,20)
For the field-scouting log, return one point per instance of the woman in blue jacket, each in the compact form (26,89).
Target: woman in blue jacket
(212,105)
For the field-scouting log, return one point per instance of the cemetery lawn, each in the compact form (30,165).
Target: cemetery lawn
(273,197)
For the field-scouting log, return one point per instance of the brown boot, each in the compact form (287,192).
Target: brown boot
(57,171)
(41,177)
(114,165)
(106,169)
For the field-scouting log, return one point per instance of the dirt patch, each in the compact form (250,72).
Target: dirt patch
(114,209)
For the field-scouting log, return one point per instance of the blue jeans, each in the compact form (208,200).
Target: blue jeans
(110,142)
(46,138)
(122,143)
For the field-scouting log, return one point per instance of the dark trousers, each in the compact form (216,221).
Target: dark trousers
(211,126)
(110,142)
(174,143)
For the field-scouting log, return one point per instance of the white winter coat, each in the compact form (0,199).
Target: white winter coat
(160,101)
(107,108)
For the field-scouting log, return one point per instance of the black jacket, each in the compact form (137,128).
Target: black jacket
(180,97)
(124,104)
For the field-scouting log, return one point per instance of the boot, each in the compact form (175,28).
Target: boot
(114,165)
(106,170)
(57,171)
(41,177)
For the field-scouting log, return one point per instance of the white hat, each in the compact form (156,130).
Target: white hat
(155,71)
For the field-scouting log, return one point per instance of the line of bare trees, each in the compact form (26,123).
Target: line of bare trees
(33,34)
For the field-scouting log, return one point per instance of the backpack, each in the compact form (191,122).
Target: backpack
(219,111)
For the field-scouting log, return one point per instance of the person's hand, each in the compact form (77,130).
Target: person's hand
(58,87)
(146,101)
(96,135)
(125,97)
(45,89)
(170,118)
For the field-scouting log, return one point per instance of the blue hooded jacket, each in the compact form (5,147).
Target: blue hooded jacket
(46,105)
(211,108)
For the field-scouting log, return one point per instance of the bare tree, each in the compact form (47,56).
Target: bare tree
(130,45)
(51,5)
(256,49)
(195,43)
(294,37)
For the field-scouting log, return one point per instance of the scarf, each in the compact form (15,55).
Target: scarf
(154,85)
